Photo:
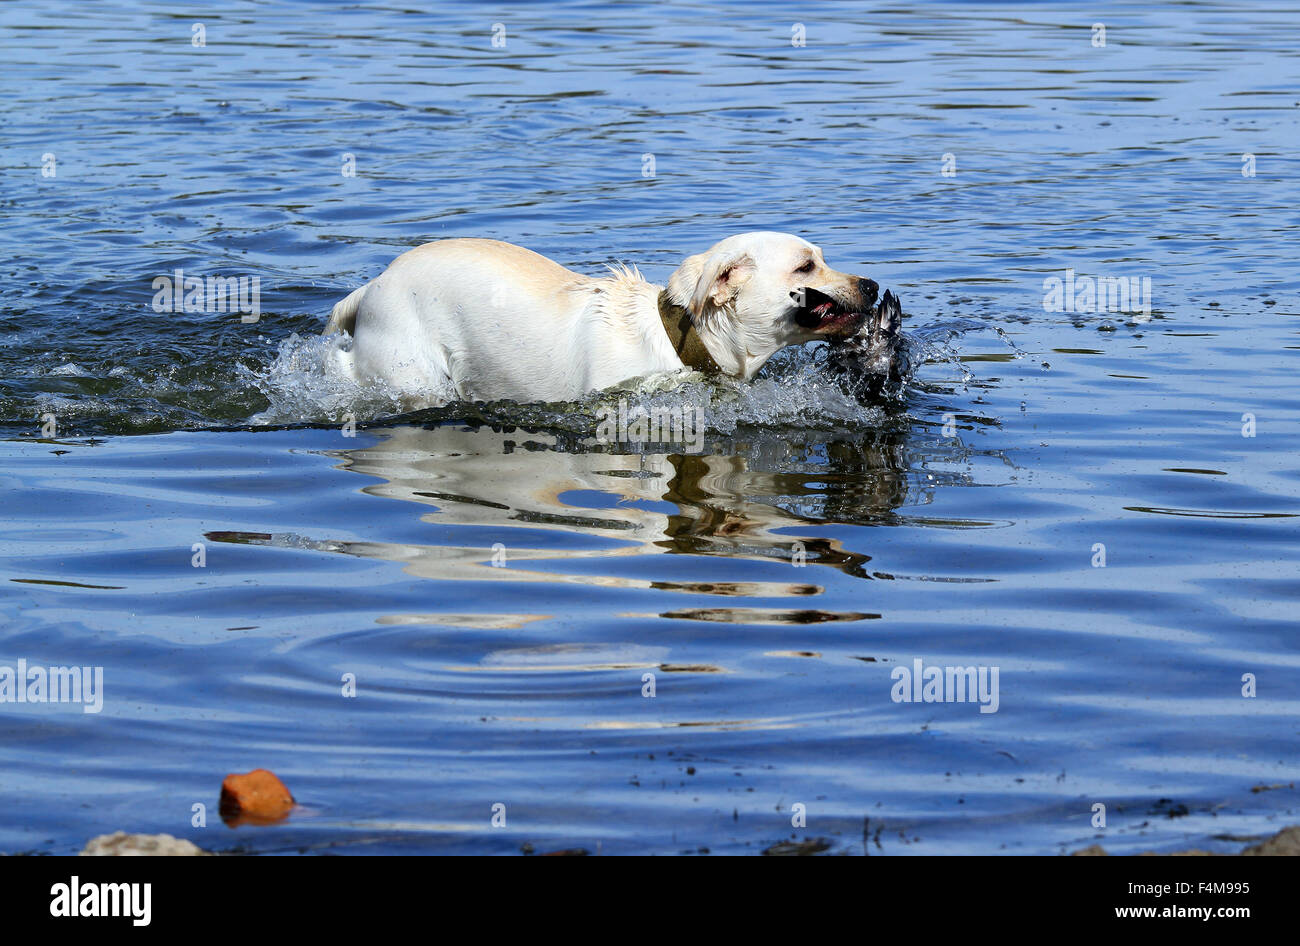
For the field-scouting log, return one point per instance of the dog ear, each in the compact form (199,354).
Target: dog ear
(702,279)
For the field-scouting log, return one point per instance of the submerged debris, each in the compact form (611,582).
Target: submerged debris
(798,848)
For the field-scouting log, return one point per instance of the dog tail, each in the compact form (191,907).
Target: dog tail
(343,317)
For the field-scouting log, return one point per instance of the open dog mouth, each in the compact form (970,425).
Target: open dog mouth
(827,315)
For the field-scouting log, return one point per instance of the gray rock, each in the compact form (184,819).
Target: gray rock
(1286,843)
(121,844)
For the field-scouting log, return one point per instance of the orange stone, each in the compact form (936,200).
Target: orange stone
(255,797)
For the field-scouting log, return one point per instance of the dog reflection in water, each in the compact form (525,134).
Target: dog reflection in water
(511,488)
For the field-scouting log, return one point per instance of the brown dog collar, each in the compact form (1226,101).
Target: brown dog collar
(685,340)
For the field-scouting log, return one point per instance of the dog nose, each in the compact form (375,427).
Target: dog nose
(868,288)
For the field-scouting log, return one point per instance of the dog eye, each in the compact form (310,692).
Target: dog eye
(807,267)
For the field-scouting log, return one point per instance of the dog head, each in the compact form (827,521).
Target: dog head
(755,293)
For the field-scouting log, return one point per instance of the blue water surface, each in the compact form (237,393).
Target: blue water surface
(1101,505)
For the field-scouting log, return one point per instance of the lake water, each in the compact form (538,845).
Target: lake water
(1101,506)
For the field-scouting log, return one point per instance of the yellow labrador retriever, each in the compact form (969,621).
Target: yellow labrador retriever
(482,320)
